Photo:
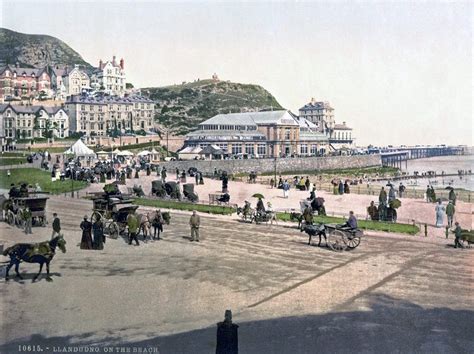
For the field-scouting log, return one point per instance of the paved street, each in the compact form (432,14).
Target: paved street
(391,294)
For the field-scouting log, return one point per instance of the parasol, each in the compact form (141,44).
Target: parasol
(258,195)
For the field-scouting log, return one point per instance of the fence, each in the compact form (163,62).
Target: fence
(414,193)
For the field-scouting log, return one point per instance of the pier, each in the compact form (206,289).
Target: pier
(394,157)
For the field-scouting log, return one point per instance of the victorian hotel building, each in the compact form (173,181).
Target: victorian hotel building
(259,134)
(99,116)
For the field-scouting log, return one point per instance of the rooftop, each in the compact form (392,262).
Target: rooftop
(316,105)
(22,71)
(342,126)
(252,118)
(80,99)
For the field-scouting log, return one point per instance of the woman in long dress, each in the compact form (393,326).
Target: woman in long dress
(439,213)
(86,240)
(98,232)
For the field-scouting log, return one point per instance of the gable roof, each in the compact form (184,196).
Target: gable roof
(3,107)
(30,109)
(26,109)
(20,71)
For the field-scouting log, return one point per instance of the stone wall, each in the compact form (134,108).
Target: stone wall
(282,164)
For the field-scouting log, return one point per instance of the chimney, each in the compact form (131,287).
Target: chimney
(343,123)
(313,100)
(122,64)
(17,64)
(113,60)
(100,64)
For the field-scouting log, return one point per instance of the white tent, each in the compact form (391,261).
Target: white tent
(79,149)
(155,155)
(144,153)
(116,151)
(125,153)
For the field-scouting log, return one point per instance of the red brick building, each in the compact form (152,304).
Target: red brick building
(17,82)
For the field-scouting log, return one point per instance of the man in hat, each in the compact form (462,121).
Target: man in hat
(373,211)
(382,204)
(28,220)
(391,193)
(194,222)
(457,236)
(401,190)
(452,196)
(450,210)
(163,174)
(56,226)
(308,215)
(132,223)
(352,221)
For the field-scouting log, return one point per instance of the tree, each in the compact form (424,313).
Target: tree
(128,85)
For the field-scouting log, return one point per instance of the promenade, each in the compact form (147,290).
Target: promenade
(392,293)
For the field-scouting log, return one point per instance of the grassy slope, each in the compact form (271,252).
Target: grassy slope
(182,107)
(35,50)
(43,178)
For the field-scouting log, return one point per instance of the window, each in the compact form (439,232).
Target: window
(236,149)
(304,149)
(261,149)
(223,147)
(287,134)
(314,149)
(249,149)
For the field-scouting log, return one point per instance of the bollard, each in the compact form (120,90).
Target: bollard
(426,230)
(227,336)
(447,232)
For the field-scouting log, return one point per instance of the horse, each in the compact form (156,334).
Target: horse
(315,230)
(144,222)
(41,253)
(317,204)
(294,216)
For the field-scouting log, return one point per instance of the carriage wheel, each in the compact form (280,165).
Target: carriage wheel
(351,241)
(10,219)
(113,230)
(336,241)
(96,216)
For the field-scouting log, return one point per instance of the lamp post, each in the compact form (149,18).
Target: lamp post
(272,145)
(167,146)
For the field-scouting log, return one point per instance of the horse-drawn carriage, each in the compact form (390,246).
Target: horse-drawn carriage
(247,213)
(14,206)
(188,191)
(338,237)
(170,190)
(113,212)
(112,208)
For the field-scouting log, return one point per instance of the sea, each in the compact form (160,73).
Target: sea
(448,164)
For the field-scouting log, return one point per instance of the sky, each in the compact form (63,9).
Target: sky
(396,72)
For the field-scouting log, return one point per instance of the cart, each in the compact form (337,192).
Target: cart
(341,238)
(37,206)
